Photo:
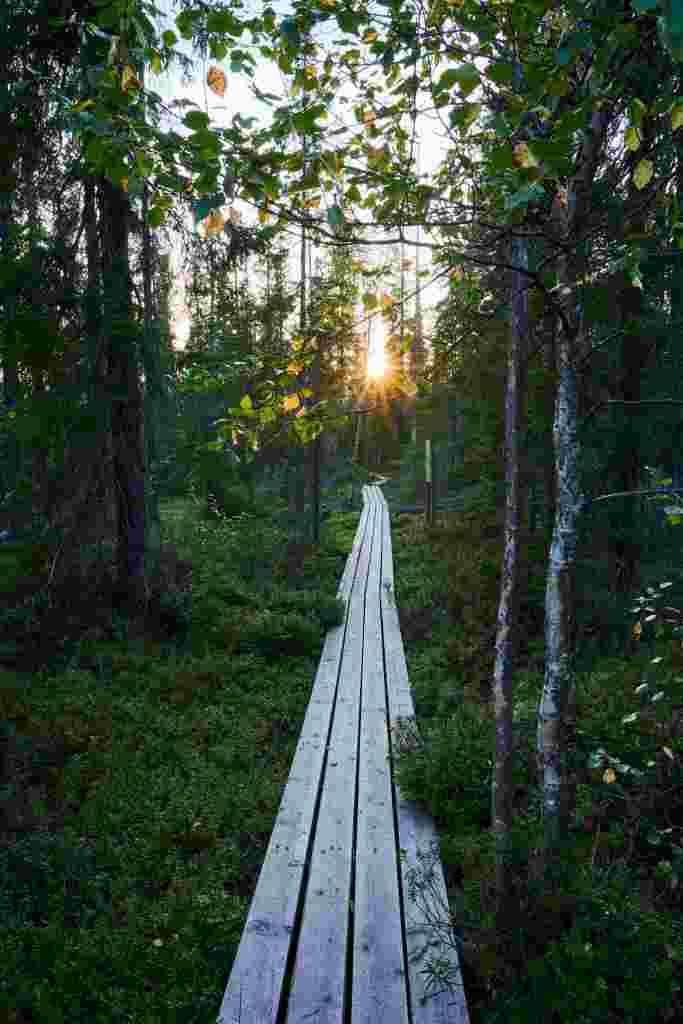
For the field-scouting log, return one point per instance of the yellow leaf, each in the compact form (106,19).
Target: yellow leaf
(290,403)
(370,36)
(124,184)
(214,223)
(387,301)
(609,776)
(310,71)
(297,343)
(643,173)
(632,139)
(246,404)
(216,81)
(677,116)
(369,117)
(129,80)
(312,203)
(263,216)
(523,157)
(294,368)
(637,630)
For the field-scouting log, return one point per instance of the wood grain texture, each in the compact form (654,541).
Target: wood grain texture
(254,990)
(339,832)
(318,987)
(379,976)
(418,839)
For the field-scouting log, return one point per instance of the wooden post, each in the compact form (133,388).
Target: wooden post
(429,488)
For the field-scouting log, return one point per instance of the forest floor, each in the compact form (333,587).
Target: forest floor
(141,778)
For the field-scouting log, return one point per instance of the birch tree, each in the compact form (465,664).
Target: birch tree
(556,708)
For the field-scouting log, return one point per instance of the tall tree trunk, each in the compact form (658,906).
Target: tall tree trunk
(556,713)
(549,395)
(153,389)
(501,790)
(10,368)
(119,336)
(316,449)
(96,344)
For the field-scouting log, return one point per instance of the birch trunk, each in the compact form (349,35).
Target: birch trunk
(559,598)
(501,789)
(556,711)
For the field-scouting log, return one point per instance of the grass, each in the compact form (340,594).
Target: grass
(141,776)
(140,782)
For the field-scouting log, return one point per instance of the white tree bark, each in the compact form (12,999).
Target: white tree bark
(558,697)
(501,786)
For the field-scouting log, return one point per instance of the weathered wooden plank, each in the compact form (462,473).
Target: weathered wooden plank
(379,972)
(417,837)
(254,990)
(318,990)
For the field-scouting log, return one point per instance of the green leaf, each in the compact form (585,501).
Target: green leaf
(501,158)
(246,406)
(637,109)
(643,173)
(290,34)
(222,22)
(643,6)
(349,21)
(185,24)
(197,120)
(156,217)
(447,80)
(218,48)
(466,115)
(467,78)
(632,139)
(305,120)
(500,73)
(169,38)
(335,217)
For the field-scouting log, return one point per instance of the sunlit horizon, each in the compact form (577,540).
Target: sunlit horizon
(377,362)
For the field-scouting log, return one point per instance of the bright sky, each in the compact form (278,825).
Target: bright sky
(239,99)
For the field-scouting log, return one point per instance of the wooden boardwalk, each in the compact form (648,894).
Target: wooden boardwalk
(332,935)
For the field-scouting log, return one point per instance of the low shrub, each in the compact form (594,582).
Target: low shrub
(450,768)
(273,635)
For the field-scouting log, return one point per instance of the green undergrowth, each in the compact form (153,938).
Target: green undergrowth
(609,947)
(140,781)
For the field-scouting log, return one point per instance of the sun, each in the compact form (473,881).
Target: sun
(377,363)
